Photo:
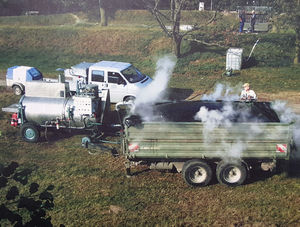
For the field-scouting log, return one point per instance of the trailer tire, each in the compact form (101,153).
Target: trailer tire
(231,173)
(30,132)
(196,173)
(17,90)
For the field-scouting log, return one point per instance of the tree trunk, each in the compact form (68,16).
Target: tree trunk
(297,42)
(176,6)
(297,50)
(177,46)
(103,17)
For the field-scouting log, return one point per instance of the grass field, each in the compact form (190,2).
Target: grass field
(92,190)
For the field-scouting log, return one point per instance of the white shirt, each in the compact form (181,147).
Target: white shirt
(248,95)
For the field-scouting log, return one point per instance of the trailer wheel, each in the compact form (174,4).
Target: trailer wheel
(17,90)
(231,173)
(30,132)
(196,173)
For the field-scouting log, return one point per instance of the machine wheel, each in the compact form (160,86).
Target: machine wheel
(231,173)
(85,142)
(196,173)
(30,132)
(17,90)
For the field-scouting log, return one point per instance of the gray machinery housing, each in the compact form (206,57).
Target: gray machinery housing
(49,104)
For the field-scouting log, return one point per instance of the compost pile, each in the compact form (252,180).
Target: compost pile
(185,111)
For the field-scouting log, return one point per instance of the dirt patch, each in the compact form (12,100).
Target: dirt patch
(289,96)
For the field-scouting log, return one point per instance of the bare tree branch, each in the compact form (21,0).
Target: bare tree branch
(174,33)
(206,43)
(157,14)
(198,26)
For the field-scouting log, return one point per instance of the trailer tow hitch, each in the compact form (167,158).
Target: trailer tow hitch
(93,147)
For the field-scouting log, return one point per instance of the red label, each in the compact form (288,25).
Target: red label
(133,147)
(281,148)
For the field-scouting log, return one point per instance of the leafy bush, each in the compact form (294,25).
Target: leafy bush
(272,50)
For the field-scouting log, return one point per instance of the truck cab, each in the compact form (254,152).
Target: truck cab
(123,80)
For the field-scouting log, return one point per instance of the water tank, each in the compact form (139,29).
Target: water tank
(234,59)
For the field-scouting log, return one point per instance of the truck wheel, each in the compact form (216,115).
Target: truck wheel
(30,132)
(231,174)
(17,90)
(196,173)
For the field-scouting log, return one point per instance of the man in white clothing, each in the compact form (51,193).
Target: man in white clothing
(247,94)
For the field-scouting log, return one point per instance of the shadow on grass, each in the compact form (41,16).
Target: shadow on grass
(291,167)
(248,63)
(196,47)
(31,202)
(294,168)
(52,135)
(138,172)
(259,175)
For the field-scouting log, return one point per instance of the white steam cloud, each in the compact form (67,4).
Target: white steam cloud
(155,91)
(143,105)
(286,115)
(224,92)
(213,119)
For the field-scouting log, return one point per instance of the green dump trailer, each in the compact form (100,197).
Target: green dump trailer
(199,151)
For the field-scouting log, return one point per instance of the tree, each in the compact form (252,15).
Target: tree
(289,13)
(102,10)
(176,6)
(11,7)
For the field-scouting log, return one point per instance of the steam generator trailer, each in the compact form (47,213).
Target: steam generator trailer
(51,105)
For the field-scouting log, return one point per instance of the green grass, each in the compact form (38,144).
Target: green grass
(39,20)
(88,188)
(51,48)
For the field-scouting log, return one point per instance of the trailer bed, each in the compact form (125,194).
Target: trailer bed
(185,140)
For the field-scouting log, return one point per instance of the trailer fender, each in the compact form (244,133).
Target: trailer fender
(167,166)
(178,166)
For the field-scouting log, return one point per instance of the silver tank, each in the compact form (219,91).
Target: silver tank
(73,112)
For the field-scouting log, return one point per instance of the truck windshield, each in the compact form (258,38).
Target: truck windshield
(132,74)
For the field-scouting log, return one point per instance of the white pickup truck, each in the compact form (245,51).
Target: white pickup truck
(123,80)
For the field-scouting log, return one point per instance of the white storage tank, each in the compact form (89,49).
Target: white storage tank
(234,59)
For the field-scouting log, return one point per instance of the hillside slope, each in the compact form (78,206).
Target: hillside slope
(135,37)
